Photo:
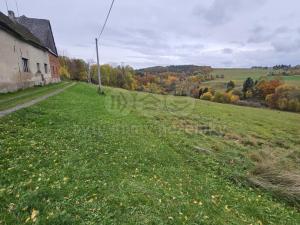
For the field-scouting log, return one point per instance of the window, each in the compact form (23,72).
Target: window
(46,68)
(25,65)
(38,66)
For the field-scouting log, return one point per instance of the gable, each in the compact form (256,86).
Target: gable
(19,31)
(41,29)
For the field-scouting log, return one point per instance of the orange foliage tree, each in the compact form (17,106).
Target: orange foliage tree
(267,87)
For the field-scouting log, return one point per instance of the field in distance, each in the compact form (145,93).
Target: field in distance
(240,75)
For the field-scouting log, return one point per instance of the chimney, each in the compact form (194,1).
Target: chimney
(11,15)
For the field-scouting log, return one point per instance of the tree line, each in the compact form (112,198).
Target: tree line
(79,70)
(174,80)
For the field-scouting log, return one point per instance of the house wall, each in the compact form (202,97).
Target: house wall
(55,66)
(12,77)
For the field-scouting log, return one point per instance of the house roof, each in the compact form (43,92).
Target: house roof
(19,31)
(41,29)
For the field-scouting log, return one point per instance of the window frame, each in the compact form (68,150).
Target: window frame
(38,65)
(25,63)
(46,68)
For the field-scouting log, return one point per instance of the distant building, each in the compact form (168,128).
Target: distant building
(28,55)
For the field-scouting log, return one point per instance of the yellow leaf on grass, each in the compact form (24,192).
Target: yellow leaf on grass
(34,215)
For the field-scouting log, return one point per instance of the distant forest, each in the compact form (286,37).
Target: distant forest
(187,69)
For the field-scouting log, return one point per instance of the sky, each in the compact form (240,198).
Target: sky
(143,33)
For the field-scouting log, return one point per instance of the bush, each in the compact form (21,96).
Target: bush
(294,105)
(271,100)
(238,93)
(230,85)
(227,98)
(218,97)
(207,96)
(234,99)
(283,103)
(195,93)
(285,98)
(64,73)
(266,87)
(249,94)
(248,85)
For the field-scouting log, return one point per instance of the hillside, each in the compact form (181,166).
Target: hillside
(187,69)
(137,158)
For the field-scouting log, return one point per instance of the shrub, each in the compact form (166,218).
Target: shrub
(64,73)
(294,105)
(266,87)
(212,91)
(234,99)
(207,96)
(227,97)
(283,103)
(249,94)
(271,100)
(238,93)
(230,85)
(218,97)
(195,93)
(285,98)
(248,85)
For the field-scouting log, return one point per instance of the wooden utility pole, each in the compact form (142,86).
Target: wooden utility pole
(98,66)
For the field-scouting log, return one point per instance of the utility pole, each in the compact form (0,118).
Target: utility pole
(98,66)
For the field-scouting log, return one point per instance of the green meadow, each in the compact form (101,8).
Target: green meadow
(240,75)
(136,158)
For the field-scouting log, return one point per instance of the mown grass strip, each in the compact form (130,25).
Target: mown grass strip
(12,99)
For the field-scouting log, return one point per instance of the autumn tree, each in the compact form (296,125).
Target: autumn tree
(248,84)
(230,85)
(267,87)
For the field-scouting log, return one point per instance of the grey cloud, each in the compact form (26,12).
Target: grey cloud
(286,46)
(264,34)
(259,34)
(223,11)
(281,30)
(154,32)
(227,51)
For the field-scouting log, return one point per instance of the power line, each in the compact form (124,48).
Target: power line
(111,6)
(97,48)
(6,5)
(16,1)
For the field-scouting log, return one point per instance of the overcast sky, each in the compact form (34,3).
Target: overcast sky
(141,33)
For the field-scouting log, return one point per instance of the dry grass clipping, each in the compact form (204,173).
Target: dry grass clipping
(269,175)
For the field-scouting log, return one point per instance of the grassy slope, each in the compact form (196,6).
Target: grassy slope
(12,99)
(77,160)
(240,75)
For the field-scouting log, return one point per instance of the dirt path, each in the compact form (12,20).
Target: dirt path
(33,102)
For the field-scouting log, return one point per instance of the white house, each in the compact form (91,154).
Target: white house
(24,60)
